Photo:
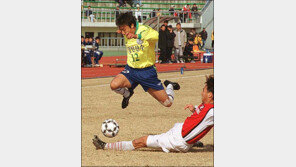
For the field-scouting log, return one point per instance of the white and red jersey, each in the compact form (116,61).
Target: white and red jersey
(198,124)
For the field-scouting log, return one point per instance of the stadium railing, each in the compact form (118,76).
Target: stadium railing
(109,42)
(105,15)
(154,3)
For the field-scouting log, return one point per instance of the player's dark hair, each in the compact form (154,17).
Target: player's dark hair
(126,19)
(98,38)
(210,84)
(179,24)
(82,36)
(162,26)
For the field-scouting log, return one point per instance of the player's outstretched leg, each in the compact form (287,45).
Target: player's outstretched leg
(121,85)
(121,145)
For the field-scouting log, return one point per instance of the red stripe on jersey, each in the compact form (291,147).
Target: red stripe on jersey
(200,135)
(196,118)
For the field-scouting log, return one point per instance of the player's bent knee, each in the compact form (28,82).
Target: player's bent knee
(114,85)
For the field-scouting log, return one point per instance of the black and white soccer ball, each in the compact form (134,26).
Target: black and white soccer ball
(110,128)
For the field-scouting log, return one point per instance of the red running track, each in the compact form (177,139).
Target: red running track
(106,71)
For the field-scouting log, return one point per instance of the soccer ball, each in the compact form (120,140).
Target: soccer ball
(110,128)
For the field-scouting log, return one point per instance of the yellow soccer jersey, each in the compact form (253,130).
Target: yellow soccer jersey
(140,52)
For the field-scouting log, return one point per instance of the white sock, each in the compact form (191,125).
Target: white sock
(170,92)
(123,91)
(120,146)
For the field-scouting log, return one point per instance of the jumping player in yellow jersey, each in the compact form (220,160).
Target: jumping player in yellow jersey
(140,42)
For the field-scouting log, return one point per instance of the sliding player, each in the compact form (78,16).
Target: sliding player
(140,42)
(182,136)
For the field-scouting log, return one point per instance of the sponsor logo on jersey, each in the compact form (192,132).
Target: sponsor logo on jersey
(135,48)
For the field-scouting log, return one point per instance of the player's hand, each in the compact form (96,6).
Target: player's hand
(190,107)
(130,35)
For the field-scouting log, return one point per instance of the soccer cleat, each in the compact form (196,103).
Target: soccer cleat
(198,144)
(125,100)
(176,86)
(98,143)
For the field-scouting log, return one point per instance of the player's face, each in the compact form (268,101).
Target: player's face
(97,40)
(82,39)
(163,28)
(86,39)
(178,27)
(126,29)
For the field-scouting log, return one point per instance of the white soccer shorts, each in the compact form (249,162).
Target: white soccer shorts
(172,140)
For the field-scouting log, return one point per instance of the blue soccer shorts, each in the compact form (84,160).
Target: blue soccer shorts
(146,77)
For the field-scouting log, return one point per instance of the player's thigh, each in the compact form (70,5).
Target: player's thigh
(120,81)
(159,95)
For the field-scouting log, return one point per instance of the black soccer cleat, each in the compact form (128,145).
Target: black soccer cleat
(98,143)
(198,144)
(176,86)
(125,100)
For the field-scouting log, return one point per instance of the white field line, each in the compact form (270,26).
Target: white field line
(102,85)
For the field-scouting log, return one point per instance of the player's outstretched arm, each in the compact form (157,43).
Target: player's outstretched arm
(190,107)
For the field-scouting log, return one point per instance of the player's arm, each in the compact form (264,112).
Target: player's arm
(190,107)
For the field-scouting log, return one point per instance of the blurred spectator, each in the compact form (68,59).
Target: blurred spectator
(179,42)
(172,10)
(181,15)
(192,33)
(158,13)
(213,39)
(188,51)
(195,11)
(86,42)
(117,11)
(153,13)
(88,12)
(90,41)
(120,2)
(97,53)
(87,54)
(170,42)
(162,44)
(82,40)
(138,14)
(186,11)
(135,2)
(92,18)
(198,41)
(165,23)
(204,36)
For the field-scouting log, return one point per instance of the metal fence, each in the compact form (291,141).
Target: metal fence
(112,42)
(109,15)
